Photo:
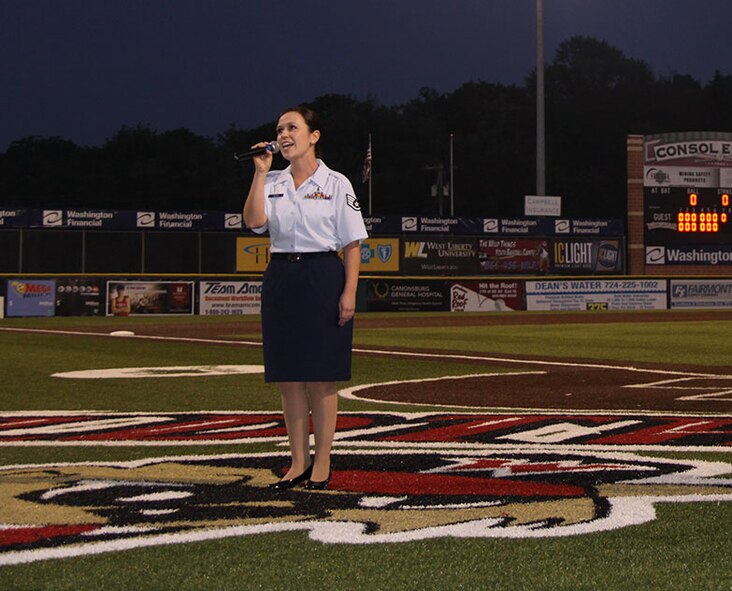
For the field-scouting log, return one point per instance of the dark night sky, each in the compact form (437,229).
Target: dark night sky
(82,69)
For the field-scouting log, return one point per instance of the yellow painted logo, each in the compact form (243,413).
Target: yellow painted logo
(252,254)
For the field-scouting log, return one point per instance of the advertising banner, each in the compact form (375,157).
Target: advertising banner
(380,255)
(434,225)
(689,149)
(406,295)
(553,227)
(486,296)
(377,254)
(252,254)
(589,227)
(590,256)
(524,226)
(380,225)
(597,294)
(377,225)
(185,220)
(80,297)
(540,205)
(14,218)
(137,298)
(513,255)
(84,219)
(133,220)
(30,297)
(439,256)
(224,298)
(678,176)
(701,293)
(700,254)
(518,226)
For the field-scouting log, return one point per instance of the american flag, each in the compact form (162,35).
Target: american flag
(367,165)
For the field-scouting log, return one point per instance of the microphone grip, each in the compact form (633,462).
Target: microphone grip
(271,147)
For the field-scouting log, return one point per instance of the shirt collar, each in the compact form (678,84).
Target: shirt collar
(320,176)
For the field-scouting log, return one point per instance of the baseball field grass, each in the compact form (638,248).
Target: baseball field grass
(686,546)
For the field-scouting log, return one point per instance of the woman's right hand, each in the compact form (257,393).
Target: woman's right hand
(254,212)
(263,162)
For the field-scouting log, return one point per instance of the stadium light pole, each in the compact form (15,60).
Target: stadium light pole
(540,139)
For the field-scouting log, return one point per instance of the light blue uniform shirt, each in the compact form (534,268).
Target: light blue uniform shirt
(322,214)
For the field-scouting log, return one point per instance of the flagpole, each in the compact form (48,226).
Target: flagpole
(371,176)
(452,178)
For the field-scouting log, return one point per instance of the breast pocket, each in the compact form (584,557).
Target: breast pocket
(318,216)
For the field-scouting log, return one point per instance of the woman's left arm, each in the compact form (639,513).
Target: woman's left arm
(352,264)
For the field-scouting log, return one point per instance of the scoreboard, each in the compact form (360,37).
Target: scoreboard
(687,186)
(687,215)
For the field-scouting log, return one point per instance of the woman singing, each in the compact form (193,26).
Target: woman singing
(308,294)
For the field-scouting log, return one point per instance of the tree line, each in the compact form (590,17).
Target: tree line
(595,97)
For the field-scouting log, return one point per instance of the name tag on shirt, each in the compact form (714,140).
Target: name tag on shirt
(275,195)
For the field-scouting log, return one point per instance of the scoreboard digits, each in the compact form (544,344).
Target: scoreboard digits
(698,217)
(688,215)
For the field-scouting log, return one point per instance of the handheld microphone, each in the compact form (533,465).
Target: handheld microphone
(271,147)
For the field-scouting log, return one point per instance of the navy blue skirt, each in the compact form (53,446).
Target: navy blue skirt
(300,333)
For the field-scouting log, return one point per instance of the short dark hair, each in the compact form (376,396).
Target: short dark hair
(311,117)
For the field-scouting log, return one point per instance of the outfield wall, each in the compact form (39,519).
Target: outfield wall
(69,263)
(231,295)
(214,253)
(134,242)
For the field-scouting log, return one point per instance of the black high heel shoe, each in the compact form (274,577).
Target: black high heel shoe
(320,485)
(292,482)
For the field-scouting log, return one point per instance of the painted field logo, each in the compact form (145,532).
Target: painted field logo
(62,510)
